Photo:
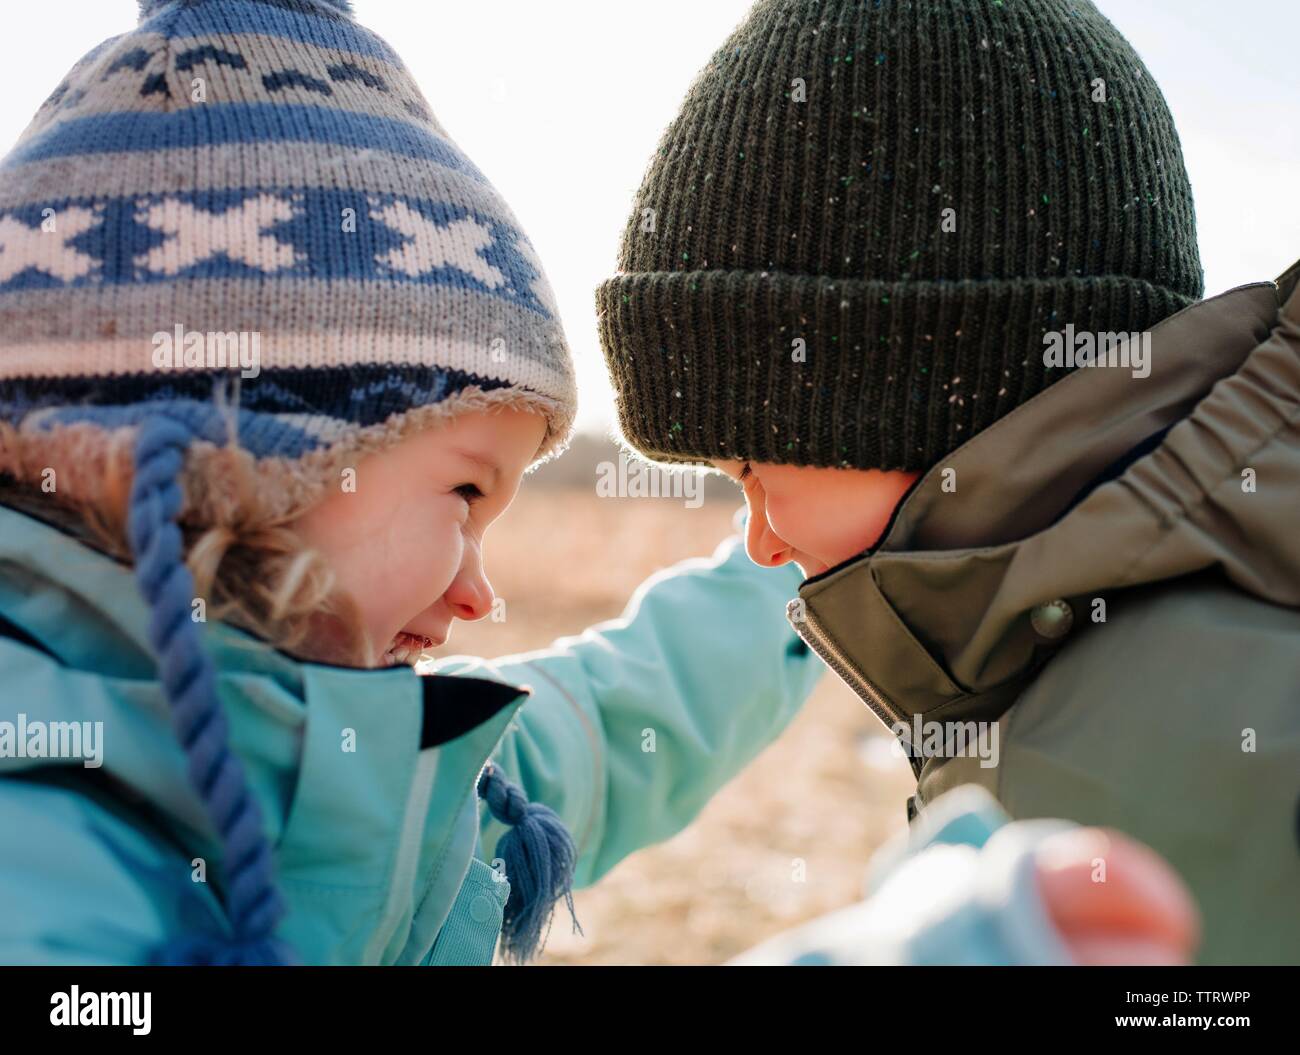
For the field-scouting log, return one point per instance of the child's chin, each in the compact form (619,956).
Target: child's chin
(811,567)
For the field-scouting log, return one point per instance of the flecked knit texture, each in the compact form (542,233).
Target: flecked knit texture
(801,195)
(268,168)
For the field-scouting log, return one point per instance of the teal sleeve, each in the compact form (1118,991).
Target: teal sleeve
(959,889)
(633,725)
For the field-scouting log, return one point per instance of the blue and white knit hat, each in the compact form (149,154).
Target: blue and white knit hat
(257,189)
(259,183)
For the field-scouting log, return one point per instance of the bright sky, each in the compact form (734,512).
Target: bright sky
(562,103)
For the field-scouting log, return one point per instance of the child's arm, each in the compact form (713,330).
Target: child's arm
(636,723)
(967,886)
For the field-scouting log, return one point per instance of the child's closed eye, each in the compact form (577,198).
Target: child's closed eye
(469,492)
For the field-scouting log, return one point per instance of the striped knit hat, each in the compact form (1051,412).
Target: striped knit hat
(256,189)
(259,183)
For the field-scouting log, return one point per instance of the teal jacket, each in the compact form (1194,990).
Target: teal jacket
(366,779)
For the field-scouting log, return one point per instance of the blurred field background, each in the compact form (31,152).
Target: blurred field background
(827,793)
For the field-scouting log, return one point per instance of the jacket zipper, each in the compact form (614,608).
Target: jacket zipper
(821,643)
(838,662)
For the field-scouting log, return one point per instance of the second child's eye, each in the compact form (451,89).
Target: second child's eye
(469,492)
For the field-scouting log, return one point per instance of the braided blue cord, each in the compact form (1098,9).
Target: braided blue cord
(188,677)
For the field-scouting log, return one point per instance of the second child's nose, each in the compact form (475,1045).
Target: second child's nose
(764,546)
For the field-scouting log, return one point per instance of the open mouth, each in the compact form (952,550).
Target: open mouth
(407,648)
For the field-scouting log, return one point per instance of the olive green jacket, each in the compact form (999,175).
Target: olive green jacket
(1109,577)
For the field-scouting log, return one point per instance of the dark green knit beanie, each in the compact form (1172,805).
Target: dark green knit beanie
(868,214)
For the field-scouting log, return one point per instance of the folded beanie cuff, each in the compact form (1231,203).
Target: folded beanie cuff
(846,373)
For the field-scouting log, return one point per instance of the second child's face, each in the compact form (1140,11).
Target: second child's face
(816,518)
(407,543)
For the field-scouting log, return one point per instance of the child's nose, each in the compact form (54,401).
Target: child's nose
(764,546)
(471,596)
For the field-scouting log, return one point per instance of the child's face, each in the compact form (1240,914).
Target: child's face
(815,517)
(407,543)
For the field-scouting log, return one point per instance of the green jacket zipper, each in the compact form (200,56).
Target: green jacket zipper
(820,642)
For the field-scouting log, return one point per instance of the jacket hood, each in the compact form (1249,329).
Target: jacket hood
(1102,482)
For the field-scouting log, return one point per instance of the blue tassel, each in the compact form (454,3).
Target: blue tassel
(189,680)
(540,861)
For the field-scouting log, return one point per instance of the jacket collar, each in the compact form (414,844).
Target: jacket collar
(966,595)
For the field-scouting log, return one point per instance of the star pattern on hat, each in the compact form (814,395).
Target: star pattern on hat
(286,234)
(431,246)
(540,287)
(27,248)
(194,234)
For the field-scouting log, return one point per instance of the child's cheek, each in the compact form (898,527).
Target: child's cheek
(783,517)
(815,527)
(418,570)
(441,546)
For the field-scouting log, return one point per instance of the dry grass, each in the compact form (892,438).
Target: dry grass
(827,793)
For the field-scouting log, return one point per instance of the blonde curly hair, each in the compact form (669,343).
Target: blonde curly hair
(249,565)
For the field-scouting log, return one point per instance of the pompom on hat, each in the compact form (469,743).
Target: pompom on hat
(243,213)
